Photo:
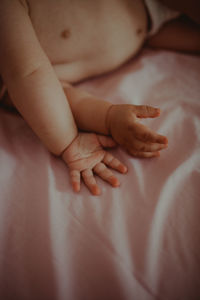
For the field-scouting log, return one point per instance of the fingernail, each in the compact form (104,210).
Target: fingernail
(97,192)
(124,169)
(158,110)
(76,187)
(115,182)
(165,140)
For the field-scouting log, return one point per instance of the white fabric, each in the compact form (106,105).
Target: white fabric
(159,15)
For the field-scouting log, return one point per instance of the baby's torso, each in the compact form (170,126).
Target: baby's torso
(83,38)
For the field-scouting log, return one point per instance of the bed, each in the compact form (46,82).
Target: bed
(140,241)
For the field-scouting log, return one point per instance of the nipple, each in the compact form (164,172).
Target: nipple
(139,31)
(65,34)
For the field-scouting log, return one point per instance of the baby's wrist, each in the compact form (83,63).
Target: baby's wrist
(66,151)
(63,152)
(108,119)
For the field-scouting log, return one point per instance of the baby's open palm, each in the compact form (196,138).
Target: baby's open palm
(86,156)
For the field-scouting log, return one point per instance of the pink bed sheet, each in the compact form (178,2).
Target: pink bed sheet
(140,241)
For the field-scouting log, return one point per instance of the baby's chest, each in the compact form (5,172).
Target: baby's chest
(90,32)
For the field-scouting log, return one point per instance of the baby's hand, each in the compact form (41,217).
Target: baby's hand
(85,156)
(137,139)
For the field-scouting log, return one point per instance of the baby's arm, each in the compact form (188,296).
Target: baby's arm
(89,111)
(30,79)
(120,121)
(180,34)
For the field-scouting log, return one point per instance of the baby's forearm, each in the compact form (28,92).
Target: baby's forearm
(89,112)
(40,99)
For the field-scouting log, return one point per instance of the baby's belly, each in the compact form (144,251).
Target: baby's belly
(87,38)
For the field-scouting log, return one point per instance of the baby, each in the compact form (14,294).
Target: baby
(46,46)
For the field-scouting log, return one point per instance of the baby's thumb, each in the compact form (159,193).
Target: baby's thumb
(145,111)
(106,141)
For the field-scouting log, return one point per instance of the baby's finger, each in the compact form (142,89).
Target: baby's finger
(114,163)
(144,134)
(145,111)
(144,154)
(148,147)
(90,182)
(106,141)
(102,171)
(75,180)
